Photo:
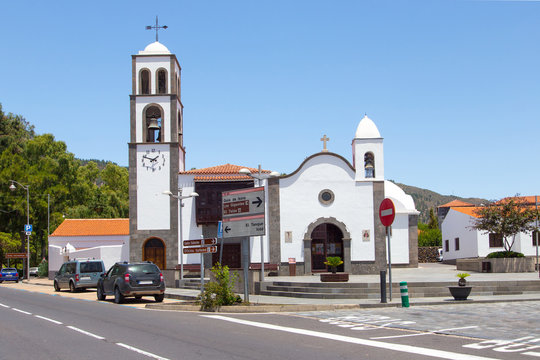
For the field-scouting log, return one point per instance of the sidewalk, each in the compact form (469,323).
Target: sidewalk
(429,272)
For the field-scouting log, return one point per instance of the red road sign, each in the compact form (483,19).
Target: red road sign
(200,250)
(387,212)
(198,242)
(16,256)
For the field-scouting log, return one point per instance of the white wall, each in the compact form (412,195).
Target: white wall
(110,254)
(300,206)
(360,148)
(471,242)
(153,63)
(140,103)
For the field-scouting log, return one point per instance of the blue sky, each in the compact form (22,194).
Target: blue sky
(453,86)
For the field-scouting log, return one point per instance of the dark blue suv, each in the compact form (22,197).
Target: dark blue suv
(132,280)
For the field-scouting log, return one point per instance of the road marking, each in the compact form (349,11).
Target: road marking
(423,333)
(377,344)
(141,351)
(86,333)
(21,311)
(2,305)
(51,320)
(532,353)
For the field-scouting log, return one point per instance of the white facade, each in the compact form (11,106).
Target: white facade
(475,243)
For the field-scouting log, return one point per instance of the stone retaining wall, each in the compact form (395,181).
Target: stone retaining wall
(427,254)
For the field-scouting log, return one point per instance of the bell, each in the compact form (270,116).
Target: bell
(153,124)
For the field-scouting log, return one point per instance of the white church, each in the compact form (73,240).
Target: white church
(326,207)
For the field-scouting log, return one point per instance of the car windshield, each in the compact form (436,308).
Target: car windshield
(143,268)
(91,267)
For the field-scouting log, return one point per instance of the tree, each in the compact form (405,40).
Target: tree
(433,221)
(428,236)
(506,217)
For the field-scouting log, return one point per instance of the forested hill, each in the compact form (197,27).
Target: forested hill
(426,199)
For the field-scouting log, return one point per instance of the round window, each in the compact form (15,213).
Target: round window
(326,197)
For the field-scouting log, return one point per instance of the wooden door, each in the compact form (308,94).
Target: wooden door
(154,251)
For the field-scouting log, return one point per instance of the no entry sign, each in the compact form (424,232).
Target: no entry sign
(387,212)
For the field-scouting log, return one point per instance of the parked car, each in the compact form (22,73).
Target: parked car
(132,280)
(9,274)
(79,274)
(34,271)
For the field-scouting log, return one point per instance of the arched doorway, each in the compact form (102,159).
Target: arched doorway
(326,240)
(154,251)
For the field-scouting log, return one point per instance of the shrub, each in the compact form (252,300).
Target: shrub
(43,269)
(219,292)
(333,261)
(504,254)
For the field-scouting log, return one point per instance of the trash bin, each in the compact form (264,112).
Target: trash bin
(292,266)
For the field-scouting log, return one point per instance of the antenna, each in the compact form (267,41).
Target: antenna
(157,27)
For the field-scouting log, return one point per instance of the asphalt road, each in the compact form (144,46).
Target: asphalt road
(42,326)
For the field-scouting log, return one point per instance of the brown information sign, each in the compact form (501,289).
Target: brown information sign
(16,256)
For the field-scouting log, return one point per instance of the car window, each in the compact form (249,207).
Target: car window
(91,266)
(71,268)
(143,268)
(62,269)
(116,270)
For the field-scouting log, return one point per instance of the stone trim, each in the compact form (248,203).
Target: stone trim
(346,242)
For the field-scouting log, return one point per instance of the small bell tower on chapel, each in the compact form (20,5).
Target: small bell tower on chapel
(156,154)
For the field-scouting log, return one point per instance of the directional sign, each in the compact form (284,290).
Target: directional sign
(199,242)
(200,250)
(16,255)
(243,202)
(387,212)
(244,226)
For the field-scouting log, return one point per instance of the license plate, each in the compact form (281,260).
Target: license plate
(9,275)
(145,282)
(85,278)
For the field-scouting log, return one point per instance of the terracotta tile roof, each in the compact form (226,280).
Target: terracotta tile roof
(456,203)
(468,210)
(92,227)
(527,199)
(227,172)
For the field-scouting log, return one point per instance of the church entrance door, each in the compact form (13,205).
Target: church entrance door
(326,240)
(154,251)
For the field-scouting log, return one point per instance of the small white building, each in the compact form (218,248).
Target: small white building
(461,240)
(105,239)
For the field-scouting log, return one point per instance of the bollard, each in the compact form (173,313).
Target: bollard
(383,286)
(404,294)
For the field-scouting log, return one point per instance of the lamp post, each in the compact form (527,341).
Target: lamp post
(12,187)
(179,197)
(259,176)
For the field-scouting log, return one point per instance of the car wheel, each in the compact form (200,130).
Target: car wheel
(72,287)
(100,295)
(17,281)
(118,297)
(1,281)
(159,298)
(138,297)
(56,287)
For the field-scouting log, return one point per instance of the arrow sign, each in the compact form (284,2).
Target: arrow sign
(258,201)
(200,250)
(198,242)
(227,229)
(387,212)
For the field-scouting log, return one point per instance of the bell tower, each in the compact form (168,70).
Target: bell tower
(156,155)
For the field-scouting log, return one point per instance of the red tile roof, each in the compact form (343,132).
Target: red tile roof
(468,210)
(227,172)
(92,227)
(456,203)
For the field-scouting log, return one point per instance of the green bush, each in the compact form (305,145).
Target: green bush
(429,237)
(219,292)
(43,269)
(504,254)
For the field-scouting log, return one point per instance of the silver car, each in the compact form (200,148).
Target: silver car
(78,274)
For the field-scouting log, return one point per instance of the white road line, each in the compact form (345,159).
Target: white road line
(377,344)
(424,333)
(2,305)
(154,356)
(86,332)
(532,353)
(21,311)
(51,320)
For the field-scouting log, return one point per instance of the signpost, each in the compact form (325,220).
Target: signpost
(16,256)
(201,248)
(387,214)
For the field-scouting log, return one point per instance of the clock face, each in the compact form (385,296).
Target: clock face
(153,160)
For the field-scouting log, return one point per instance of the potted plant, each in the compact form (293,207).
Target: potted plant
(333,262)
(462,291)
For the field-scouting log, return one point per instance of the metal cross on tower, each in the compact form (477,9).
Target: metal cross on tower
(157,27)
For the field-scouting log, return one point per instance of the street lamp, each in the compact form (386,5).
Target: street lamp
(259,176)
(12,187)
(179,197)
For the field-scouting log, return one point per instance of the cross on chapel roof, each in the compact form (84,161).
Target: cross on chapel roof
(325,139)
(157,27)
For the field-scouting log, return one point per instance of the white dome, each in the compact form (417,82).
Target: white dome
(367,129)
(155,48)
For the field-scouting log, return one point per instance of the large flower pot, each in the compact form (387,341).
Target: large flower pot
(337,277)
(460,292)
